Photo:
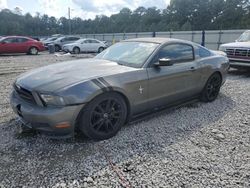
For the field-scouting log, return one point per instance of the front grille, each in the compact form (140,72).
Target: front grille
(24,94)
(230,52)
(238,52)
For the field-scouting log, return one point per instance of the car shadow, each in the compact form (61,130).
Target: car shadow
(239,72)
(153,134)
(18,54)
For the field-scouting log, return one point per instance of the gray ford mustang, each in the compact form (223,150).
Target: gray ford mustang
(99,95)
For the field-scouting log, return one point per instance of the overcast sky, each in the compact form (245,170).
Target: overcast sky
(80,8)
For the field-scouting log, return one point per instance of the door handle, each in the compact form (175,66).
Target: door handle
(192,68)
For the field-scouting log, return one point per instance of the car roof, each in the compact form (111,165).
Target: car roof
(17,37)
(157,40)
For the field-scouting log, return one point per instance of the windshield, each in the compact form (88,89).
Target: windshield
(2,38)
(133,54)
(52,39)
(245,37)
(60,38)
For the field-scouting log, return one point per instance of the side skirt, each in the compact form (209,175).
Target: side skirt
(163,109)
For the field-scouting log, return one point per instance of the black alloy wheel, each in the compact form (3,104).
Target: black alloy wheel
(104,116)
(212,88)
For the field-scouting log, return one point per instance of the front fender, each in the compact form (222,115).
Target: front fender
(85,92)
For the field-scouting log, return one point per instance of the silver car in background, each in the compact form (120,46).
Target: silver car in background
(62,41)
(48,41)
(99,95)
(85,45)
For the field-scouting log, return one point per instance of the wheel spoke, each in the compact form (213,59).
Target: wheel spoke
(97,122)
(99,108)
(106,126)
(111,124)
(97,113)
(99,125)
(116,116)
(108,105)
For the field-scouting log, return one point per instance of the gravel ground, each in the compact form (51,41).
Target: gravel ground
(196,145)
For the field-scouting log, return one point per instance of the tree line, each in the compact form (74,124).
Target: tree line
(179,15)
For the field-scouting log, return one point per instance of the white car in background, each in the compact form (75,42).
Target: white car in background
(85,45)
(238,52)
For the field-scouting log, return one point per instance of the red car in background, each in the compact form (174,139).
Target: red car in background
(18,44)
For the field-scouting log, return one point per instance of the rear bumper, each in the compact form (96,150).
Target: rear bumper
(41,49)
(47,119)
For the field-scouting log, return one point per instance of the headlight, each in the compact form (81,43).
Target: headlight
(222,48)
(52,100)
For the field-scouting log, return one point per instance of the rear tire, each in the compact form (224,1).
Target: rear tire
(104,116)
(33,51)
(212,88)
(76,50)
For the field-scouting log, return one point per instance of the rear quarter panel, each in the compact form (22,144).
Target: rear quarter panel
(212,64)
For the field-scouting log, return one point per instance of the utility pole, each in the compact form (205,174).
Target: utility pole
(69,21)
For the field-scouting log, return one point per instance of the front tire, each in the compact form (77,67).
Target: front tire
(212,88)
(33,51)
(104,116)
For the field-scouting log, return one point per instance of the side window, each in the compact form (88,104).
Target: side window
(21,40)
(177,52)
(75,38)
(72,38)
(69,39)
(204,52)
(87,41)
(94,41)
(10,40)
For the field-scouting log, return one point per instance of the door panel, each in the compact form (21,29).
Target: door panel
(21,45)
(84,46)
(9,46)
(2,48)
(169,84)
(136,86)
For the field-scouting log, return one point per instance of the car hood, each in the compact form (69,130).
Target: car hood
(237,45)
(57,76)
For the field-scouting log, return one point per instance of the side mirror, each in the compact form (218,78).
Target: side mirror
(164,62)
(3,42)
